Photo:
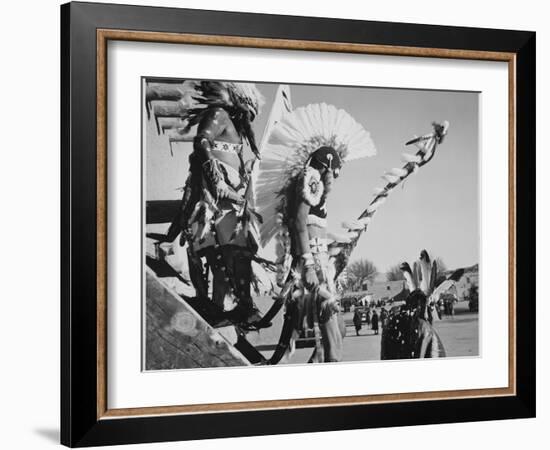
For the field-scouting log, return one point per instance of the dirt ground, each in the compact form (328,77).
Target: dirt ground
(459,333)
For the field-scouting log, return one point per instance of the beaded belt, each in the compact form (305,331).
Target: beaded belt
(228,147)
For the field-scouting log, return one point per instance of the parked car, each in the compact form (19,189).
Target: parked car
(365,313)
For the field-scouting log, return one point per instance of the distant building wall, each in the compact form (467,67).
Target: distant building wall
(388,290)
(379,290)
(463,285)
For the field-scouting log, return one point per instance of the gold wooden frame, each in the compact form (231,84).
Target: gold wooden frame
(104,35)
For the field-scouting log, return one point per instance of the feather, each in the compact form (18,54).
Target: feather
(408,157)
(417,276)
(365,221)
(334,250)
(417,139)
(341,238)
(353,225)
(374,206)
(407,273)
(446,284)
(399,172)
(442,288)
(425,270)
(433,276)
(390,178)
(456,275)
(352,234)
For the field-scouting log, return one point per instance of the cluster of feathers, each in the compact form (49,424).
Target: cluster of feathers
(196,97)
(408,331)
(283,165)
(282,171)
(278,182)
(236,98)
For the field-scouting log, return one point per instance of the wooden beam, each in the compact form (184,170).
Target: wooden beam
(177,337)
(181,134)
(171,92)
(159,92)
(168,123)
(169,109)
(161,80)
(161,211)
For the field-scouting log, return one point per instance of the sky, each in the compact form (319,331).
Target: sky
(436,209)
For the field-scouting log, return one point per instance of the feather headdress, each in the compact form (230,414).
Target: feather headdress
(288,148)
(178,105)
(246,96)
(236,97)
(424,276)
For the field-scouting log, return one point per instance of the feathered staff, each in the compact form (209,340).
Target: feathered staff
(342,247)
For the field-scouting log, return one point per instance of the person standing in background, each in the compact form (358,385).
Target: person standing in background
(357,320)
(383,317)
(374,320)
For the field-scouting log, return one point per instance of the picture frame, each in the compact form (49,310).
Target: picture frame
(86,418)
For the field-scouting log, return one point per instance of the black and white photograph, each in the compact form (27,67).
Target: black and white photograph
(295,224)
(275,224)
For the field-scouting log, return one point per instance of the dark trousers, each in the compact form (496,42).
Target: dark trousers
(231,268)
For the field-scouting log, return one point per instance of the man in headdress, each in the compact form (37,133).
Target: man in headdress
(303,156)
(310,243)
(409,332)
(213,216)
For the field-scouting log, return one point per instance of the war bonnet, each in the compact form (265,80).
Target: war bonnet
(289,151)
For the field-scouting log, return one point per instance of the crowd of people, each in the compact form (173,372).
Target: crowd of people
(371,317)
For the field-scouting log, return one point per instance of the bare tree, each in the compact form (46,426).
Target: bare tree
(394,273)
(361,271)
(345,283)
